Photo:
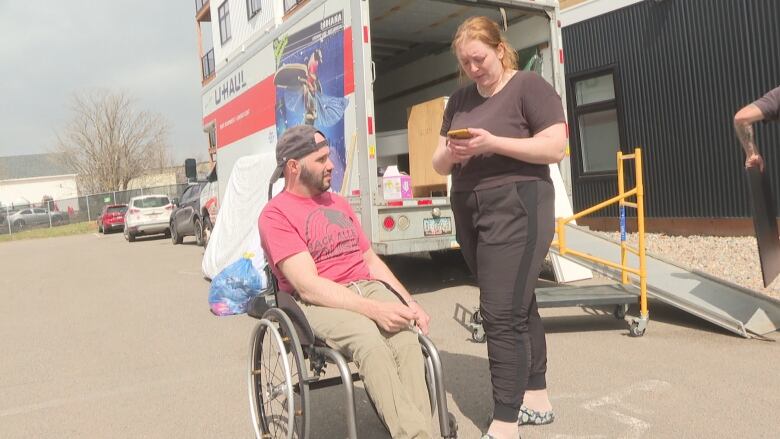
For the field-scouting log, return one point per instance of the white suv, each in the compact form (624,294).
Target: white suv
(148,215)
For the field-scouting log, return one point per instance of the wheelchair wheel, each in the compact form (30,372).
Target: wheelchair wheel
(278,387)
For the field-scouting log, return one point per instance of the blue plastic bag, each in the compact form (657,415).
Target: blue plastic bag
(234,286)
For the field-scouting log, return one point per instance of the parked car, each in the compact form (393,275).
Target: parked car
(186,218)
(148,215)
(112,217)
(36,216)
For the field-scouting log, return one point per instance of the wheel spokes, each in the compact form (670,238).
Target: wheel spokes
(274,390)
(279,389)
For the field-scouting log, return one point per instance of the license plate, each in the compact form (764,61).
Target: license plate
(437,226)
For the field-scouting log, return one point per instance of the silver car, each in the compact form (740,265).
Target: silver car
(148,215)
(35,216)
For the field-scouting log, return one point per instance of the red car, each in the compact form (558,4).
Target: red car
(112,218)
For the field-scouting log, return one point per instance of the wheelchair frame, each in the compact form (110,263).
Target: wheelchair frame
(293,341)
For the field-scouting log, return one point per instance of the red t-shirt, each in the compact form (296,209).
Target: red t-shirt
(312,76)
(324,225)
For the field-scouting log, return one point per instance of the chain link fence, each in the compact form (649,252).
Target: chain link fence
(19,217)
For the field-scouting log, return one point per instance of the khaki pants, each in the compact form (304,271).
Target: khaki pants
(391,365)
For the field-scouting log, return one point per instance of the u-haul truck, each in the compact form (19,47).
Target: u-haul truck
(353,68)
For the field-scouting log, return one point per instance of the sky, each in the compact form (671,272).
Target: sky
(53,49)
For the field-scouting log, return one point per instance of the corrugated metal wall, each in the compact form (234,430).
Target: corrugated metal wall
(684,68)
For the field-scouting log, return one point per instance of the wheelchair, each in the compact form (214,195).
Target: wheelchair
(286,362)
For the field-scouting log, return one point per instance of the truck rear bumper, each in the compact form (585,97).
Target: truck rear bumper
(427,244)
(149,229)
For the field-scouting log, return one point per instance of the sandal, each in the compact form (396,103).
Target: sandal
(532,417)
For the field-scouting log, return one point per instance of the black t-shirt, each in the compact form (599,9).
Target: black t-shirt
(525,106)
(769,104)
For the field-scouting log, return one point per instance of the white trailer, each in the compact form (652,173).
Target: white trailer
(353,68)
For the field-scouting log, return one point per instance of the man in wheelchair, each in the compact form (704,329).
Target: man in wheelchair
(318,252)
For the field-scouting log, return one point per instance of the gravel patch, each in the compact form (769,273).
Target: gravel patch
(731,258)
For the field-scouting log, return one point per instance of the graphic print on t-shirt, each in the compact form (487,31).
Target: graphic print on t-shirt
(329,234)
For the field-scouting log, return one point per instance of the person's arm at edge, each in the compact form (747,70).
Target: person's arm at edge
(301,271)
(380,271)
(743,125)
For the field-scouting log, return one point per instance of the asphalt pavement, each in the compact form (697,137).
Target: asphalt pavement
(102,338)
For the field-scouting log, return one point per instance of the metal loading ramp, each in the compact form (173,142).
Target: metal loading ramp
(735,308)
(558,296)
(590,295)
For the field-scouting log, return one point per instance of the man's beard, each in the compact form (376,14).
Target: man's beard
(315,183)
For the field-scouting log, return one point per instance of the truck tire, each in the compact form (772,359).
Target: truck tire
(198,227)
(130,237)
(207,228)
(175,238)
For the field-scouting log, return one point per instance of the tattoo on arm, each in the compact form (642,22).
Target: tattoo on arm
(745,135)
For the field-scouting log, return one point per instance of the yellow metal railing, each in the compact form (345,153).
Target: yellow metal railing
(622,200)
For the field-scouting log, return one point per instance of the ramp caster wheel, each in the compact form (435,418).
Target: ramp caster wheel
(476,317)
(620,312)
(638,326)
(453,426)
(635,331)
(478,334)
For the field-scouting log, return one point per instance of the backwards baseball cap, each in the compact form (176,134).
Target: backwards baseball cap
(296,143)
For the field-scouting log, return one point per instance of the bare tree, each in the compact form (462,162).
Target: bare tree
(108,142)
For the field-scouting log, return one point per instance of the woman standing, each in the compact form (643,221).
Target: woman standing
(503,202)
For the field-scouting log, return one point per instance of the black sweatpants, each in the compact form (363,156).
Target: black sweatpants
(504,234)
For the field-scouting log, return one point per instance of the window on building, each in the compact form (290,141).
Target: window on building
(290,4)
(252,8)
(207,64)
(224,22)
(596,121)
(212,138)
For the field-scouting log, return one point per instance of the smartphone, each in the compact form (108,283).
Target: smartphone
(460,134)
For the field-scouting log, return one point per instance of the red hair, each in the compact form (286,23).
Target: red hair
(485,30)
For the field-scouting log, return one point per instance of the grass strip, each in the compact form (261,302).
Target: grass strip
(65,230)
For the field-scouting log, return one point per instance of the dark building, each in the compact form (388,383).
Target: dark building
(668,76)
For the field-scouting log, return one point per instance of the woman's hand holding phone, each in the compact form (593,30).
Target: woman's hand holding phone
(454,136)
(462,133)
(469,142)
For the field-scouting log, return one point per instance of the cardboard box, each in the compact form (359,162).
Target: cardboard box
(395,185)
(423,134)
